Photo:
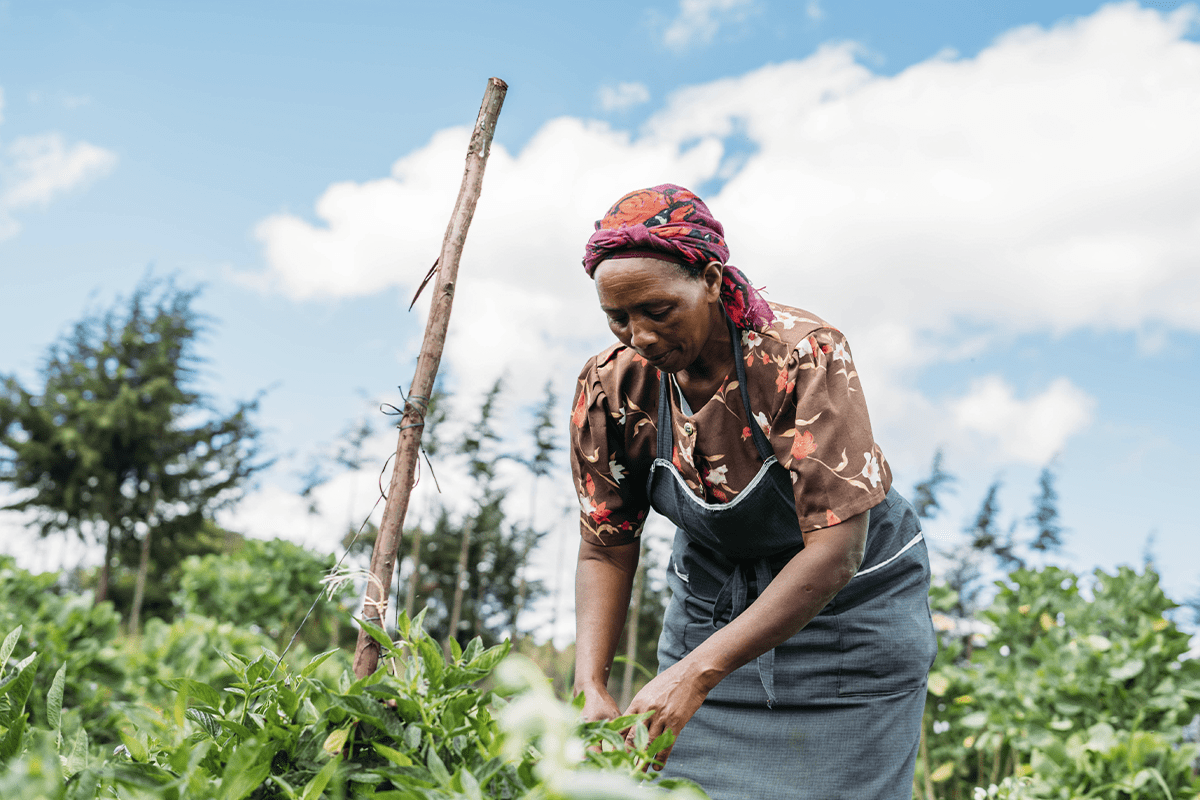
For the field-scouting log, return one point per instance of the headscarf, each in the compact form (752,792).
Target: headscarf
(668,220)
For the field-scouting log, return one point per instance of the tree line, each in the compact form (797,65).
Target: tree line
(116,446)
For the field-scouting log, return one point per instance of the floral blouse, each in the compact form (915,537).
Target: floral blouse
(805,395)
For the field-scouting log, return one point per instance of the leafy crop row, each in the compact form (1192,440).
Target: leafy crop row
(1065,687)
(428,728)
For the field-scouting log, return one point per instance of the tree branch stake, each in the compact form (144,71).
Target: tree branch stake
(387,544)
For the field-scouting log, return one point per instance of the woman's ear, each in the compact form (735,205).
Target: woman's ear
(713,277)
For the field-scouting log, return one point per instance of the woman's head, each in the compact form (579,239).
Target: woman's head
(669,314)
(670,224)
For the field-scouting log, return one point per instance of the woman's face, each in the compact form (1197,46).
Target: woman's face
(664,314)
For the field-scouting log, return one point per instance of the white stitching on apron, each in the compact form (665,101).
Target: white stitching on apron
(884,563)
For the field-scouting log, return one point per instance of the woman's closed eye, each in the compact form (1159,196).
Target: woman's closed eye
(658,313)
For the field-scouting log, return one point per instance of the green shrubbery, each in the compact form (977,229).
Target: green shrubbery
(199,708)
(1080,688)
(1077,696)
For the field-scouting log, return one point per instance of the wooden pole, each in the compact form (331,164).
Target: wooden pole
(383,557)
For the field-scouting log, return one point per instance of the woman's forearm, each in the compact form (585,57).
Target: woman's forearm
(603,584)
(804,586)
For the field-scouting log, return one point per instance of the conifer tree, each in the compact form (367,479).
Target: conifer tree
(1045,515)
(539,465)
(925,493)
(983,530)
(117,445)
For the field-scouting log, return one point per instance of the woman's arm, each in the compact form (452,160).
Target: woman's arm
(603,584)
(830,558)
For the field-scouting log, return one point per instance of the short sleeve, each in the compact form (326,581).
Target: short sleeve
(825,438)
(611,490)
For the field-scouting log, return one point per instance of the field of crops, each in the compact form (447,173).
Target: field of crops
(1080,687)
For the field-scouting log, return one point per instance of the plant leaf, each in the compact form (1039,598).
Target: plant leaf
(437,767)
(335,741)
(54,701)
(10,644)
(77,761)
(316,661)
(316,787)
(247,768)
(470,786)
(394,756)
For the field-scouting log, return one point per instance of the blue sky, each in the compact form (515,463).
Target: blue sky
(995,201)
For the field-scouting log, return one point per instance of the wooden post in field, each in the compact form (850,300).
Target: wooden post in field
(383,557)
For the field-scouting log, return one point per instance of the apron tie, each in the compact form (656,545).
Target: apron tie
(732,600)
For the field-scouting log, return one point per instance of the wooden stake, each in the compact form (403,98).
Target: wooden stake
(383,557)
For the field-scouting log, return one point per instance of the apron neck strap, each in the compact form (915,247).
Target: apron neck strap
(739,364)
(666,434)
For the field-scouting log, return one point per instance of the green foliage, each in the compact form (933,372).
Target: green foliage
(112,447)
(496,550)
(270,585)
(1084,696)
(426,729)
(68,630)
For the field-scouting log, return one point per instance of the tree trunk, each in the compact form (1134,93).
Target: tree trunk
(523,567)
(105,568)
(460,577)
(522,585)
(410,596)
(139,590)
(631,639)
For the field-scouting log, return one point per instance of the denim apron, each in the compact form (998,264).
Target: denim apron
(835,711)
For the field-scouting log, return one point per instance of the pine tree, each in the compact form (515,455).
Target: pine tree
(118,446)
(983,530)
(925,493)
(539,465)
(1045,515)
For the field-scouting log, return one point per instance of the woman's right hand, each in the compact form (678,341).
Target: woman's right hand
(599,705)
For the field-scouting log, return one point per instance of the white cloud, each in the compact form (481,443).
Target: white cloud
(814,11)
(1044,186)
(1030,431)
(45,167)
(38,169)
(699,20)
(623,96)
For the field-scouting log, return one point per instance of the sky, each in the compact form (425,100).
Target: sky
(996,202)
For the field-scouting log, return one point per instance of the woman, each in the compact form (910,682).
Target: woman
(797,642)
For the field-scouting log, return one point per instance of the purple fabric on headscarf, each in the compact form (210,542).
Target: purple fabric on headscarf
(672,220)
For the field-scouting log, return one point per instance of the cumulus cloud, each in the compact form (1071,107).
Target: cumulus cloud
(1043,186)
(623,96)
(38,169)
(1031,430)
(699,20)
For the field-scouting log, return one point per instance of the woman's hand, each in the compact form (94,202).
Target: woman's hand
(599,705)
(673,695)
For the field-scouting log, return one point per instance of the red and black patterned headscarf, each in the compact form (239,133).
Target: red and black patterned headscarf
(669,220)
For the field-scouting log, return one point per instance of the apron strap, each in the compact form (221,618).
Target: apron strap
(666,435)
(734,593)
(733,599)
(739,365)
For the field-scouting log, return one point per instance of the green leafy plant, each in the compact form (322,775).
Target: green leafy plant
(426,726)
(1086,696)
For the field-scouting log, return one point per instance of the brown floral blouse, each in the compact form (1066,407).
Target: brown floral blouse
(805,395)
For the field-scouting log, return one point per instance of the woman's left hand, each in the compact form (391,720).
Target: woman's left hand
(673,695)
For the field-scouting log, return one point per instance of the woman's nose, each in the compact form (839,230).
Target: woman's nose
(642,337)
